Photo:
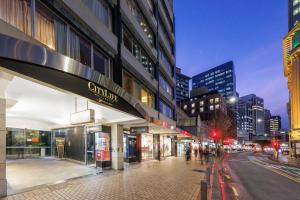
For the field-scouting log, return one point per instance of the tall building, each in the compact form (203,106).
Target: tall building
(252,115)
(291,60)
(294,13)
(275,124)
(267,121)
(245,120)
(220,78)
(110,65)
(182,85)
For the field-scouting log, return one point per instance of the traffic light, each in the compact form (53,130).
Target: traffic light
(276,144)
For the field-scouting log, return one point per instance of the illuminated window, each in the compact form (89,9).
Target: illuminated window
(193,105)
(201,103)
(217,100)
(211,101)
(201,109)
(193,111)
(18,14)
(211,107)
(49,30)
(185,107)
(217,106)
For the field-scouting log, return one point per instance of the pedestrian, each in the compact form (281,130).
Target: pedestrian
(188,154)
(196,152)
(201,155)
(206,154)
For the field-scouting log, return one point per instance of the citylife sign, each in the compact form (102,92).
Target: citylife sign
(103,94)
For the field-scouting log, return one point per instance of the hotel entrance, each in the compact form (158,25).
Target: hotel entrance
(52,131)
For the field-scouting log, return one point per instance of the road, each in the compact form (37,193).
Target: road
(253,176)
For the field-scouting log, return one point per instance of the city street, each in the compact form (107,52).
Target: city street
(254,176)
(172,178)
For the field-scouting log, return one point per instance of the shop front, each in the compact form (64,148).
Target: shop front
(130,147)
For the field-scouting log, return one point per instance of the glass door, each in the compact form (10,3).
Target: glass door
(90,148)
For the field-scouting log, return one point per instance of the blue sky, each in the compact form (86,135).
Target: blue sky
(211,32)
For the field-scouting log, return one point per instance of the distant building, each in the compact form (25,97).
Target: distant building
(182,85)
(252,115)
(275,123)
(267,121)
(206,105)
(220,78)
(294,13)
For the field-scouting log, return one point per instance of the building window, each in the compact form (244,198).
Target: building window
(102,11)
(134,47)
(101,63)
(165,109)
(163,57)
(211,101)
(217,106)
(201,109)
(80,49)
(17,13)
(135,11)
(185,107)
(193,111)
(201,103)
(137,90)
(211,107)
(193,105)
(217,100)
(49,30)
(165,85)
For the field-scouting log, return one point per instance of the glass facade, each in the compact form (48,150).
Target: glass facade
(26,143)
(220,78)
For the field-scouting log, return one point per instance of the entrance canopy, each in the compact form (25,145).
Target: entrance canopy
(35,106)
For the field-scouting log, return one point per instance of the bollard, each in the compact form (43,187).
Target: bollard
(203,195)
(208,171)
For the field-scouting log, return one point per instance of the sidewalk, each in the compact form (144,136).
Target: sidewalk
(168,179)
(287,160)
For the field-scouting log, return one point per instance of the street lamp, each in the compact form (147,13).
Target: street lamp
(232,99)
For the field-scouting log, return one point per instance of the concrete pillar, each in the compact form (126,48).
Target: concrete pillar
(117,156)
(3,181)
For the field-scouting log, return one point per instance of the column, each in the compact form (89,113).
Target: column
(117,146)
(3,181)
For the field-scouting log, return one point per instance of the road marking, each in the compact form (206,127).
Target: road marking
(235,191)
(275,171)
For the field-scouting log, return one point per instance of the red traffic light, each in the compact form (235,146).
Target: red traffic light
(214,134)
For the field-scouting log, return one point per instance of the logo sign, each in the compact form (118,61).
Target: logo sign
(139,129)
(102,94)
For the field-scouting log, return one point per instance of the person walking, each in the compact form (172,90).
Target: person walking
(188,154)
(201,155)
(196,152)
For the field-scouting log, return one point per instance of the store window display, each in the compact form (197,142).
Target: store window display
(165,146)
(147,146)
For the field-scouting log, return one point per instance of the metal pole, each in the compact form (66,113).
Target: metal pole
(203,190)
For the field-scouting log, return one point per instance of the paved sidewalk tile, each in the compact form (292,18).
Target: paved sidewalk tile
(170,179)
